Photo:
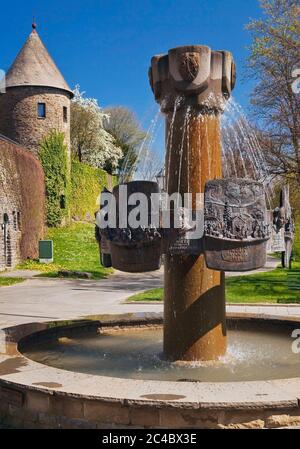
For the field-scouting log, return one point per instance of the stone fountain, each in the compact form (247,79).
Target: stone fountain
(192,85)
(117,375)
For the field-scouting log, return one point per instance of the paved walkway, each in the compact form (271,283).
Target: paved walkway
(42,299)
(25,274)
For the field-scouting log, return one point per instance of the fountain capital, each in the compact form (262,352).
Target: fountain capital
(200,77)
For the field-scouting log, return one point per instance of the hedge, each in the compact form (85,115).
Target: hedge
(86,185)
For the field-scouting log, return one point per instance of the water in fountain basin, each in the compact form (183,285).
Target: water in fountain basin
(253,354)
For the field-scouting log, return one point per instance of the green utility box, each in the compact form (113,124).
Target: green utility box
(46,251)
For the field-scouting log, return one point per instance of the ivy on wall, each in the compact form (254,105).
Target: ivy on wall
(86,185)
(22,186)
(54,159)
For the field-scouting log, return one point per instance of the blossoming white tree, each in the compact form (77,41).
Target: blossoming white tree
(90,142)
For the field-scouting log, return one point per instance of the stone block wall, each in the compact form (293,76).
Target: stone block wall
(30,408)
(19,119)
(10,233)
(22,204)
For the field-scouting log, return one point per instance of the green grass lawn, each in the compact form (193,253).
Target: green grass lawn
(75,249)
(154,295)
(5,282)
(278,286)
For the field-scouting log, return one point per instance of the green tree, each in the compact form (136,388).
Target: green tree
(53,154)
(274,57)
(122,124)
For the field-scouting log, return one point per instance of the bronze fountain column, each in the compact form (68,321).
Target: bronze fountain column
(192,84)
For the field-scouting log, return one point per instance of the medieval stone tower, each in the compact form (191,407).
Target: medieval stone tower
(37,97)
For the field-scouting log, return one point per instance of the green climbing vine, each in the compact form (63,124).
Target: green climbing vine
(53,155)
(86,185)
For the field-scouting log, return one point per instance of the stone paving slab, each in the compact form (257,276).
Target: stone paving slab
(25,274)
(291,386)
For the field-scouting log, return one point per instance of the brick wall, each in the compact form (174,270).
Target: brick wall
(22,199)
(19,120)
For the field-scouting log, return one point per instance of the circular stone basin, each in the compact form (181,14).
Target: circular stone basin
(256,351)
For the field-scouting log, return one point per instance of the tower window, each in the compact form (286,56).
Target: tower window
(15,220)
(19,223)
(65,114)
(42,110)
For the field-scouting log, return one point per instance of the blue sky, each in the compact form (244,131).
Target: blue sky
(106,45)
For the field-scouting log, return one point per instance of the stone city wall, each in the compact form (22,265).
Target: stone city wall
(22,202)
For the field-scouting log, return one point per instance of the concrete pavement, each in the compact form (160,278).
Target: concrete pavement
(40,299)
(43,299)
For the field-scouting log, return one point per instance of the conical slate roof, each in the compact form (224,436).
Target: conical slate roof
(34,67)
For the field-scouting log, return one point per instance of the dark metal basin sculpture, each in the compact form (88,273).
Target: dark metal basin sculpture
(138,249)
(103,241)
(289,226)
(282,229)
(236,225)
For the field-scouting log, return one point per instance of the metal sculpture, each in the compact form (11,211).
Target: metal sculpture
(134,249)
(192,84)
(236,225)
